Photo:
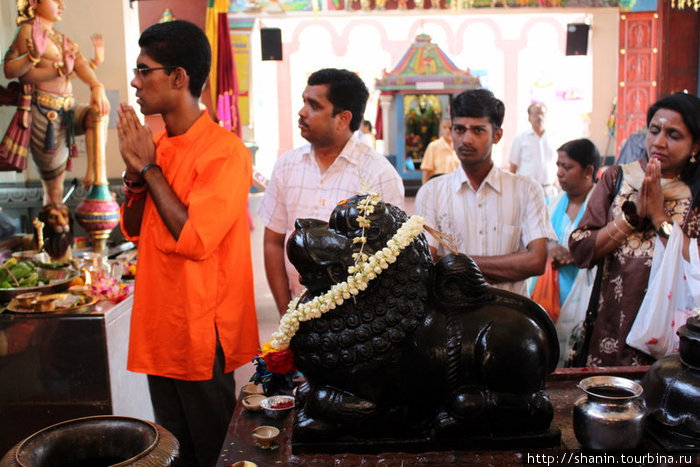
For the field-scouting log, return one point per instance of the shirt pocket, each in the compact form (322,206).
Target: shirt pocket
(503,239)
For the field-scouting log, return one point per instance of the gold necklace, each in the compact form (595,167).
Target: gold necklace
(57,39)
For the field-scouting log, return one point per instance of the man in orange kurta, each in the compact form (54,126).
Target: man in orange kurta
(193,318)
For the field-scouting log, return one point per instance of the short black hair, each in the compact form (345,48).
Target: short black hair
(479,103)
(688,106)
(584,152)
(346,91)
(183,44)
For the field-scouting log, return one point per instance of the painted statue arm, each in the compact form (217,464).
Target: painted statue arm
(98,45)
(28,65)
(98,98)
(26,57)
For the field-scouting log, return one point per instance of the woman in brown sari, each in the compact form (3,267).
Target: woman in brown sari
(620,226)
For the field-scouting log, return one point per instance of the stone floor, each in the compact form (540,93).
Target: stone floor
(268,318)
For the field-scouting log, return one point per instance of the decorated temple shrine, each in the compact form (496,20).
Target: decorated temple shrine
(414,97)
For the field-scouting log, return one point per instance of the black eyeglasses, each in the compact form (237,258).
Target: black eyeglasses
(144,71)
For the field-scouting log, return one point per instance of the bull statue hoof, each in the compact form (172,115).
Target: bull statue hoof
(427,353)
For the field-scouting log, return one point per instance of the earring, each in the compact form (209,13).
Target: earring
(692,158)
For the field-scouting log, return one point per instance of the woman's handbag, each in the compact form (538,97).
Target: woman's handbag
(669,300)
(546,291)
(573,311)
(581,334)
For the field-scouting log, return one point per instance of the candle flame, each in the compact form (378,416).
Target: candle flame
(88,279)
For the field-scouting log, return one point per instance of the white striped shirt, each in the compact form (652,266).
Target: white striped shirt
(298,189)
(503,216)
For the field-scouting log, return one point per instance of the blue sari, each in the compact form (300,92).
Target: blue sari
(563,226)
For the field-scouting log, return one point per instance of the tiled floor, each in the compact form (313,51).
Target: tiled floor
(268,318)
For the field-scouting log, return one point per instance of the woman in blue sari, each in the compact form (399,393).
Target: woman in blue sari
(577,165)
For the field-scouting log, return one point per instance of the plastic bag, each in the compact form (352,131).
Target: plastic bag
(691,269)
(669,299)
(573,312)
(546,291)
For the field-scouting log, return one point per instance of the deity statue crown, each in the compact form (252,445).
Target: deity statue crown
(25,11)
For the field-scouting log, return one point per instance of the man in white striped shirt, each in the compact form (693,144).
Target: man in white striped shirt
(309,181)
(497,218)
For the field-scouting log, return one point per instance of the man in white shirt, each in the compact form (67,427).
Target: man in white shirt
(497,218)
(533,154)
(364,134)
(309,181)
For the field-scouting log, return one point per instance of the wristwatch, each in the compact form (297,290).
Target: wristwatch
(665,229)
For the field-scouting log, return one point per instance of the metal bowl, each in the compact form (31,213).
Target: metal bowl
(277,406)
(58,280)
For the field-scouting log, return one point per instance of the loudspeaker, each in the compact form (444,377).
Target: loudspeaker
(577,39)
(271,43)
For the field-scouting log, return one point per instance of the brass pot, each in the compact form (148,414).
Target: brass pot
(98,441)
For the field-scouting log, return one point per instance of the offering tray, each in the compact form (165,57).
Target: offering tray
(58,282)
(83,307)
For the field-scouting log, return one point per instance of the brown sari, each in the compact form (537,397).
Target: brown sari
(626,269)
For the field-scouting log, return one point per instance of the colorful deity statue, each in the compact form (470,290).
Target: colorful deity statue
(45,61)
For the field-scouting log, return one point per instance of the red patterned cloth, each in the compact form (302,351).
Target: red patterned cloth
(14,147)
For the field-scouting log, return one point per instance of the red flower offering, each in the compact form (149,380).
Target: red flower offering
(280,362)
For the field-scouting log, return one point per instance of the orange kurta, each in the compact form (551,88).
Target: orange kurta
(188,290)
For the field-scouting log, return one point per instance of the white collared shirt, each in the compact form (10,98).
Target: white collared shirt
(501,217)
(535,156)
(298,190)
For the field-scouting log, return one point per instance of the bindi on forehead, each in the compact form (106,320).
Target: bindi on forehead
(666,124)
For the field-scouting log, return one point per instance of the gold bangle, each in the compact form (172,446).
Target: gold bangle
(617,227)
(624,219)
(96,85)
(92,63)
(607,231)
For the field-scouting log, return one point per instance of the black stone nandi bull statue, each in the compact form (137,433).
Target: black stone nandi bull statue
(427,353)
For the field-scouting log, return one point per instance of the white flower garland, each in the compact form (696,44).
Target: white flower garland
(364,270)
